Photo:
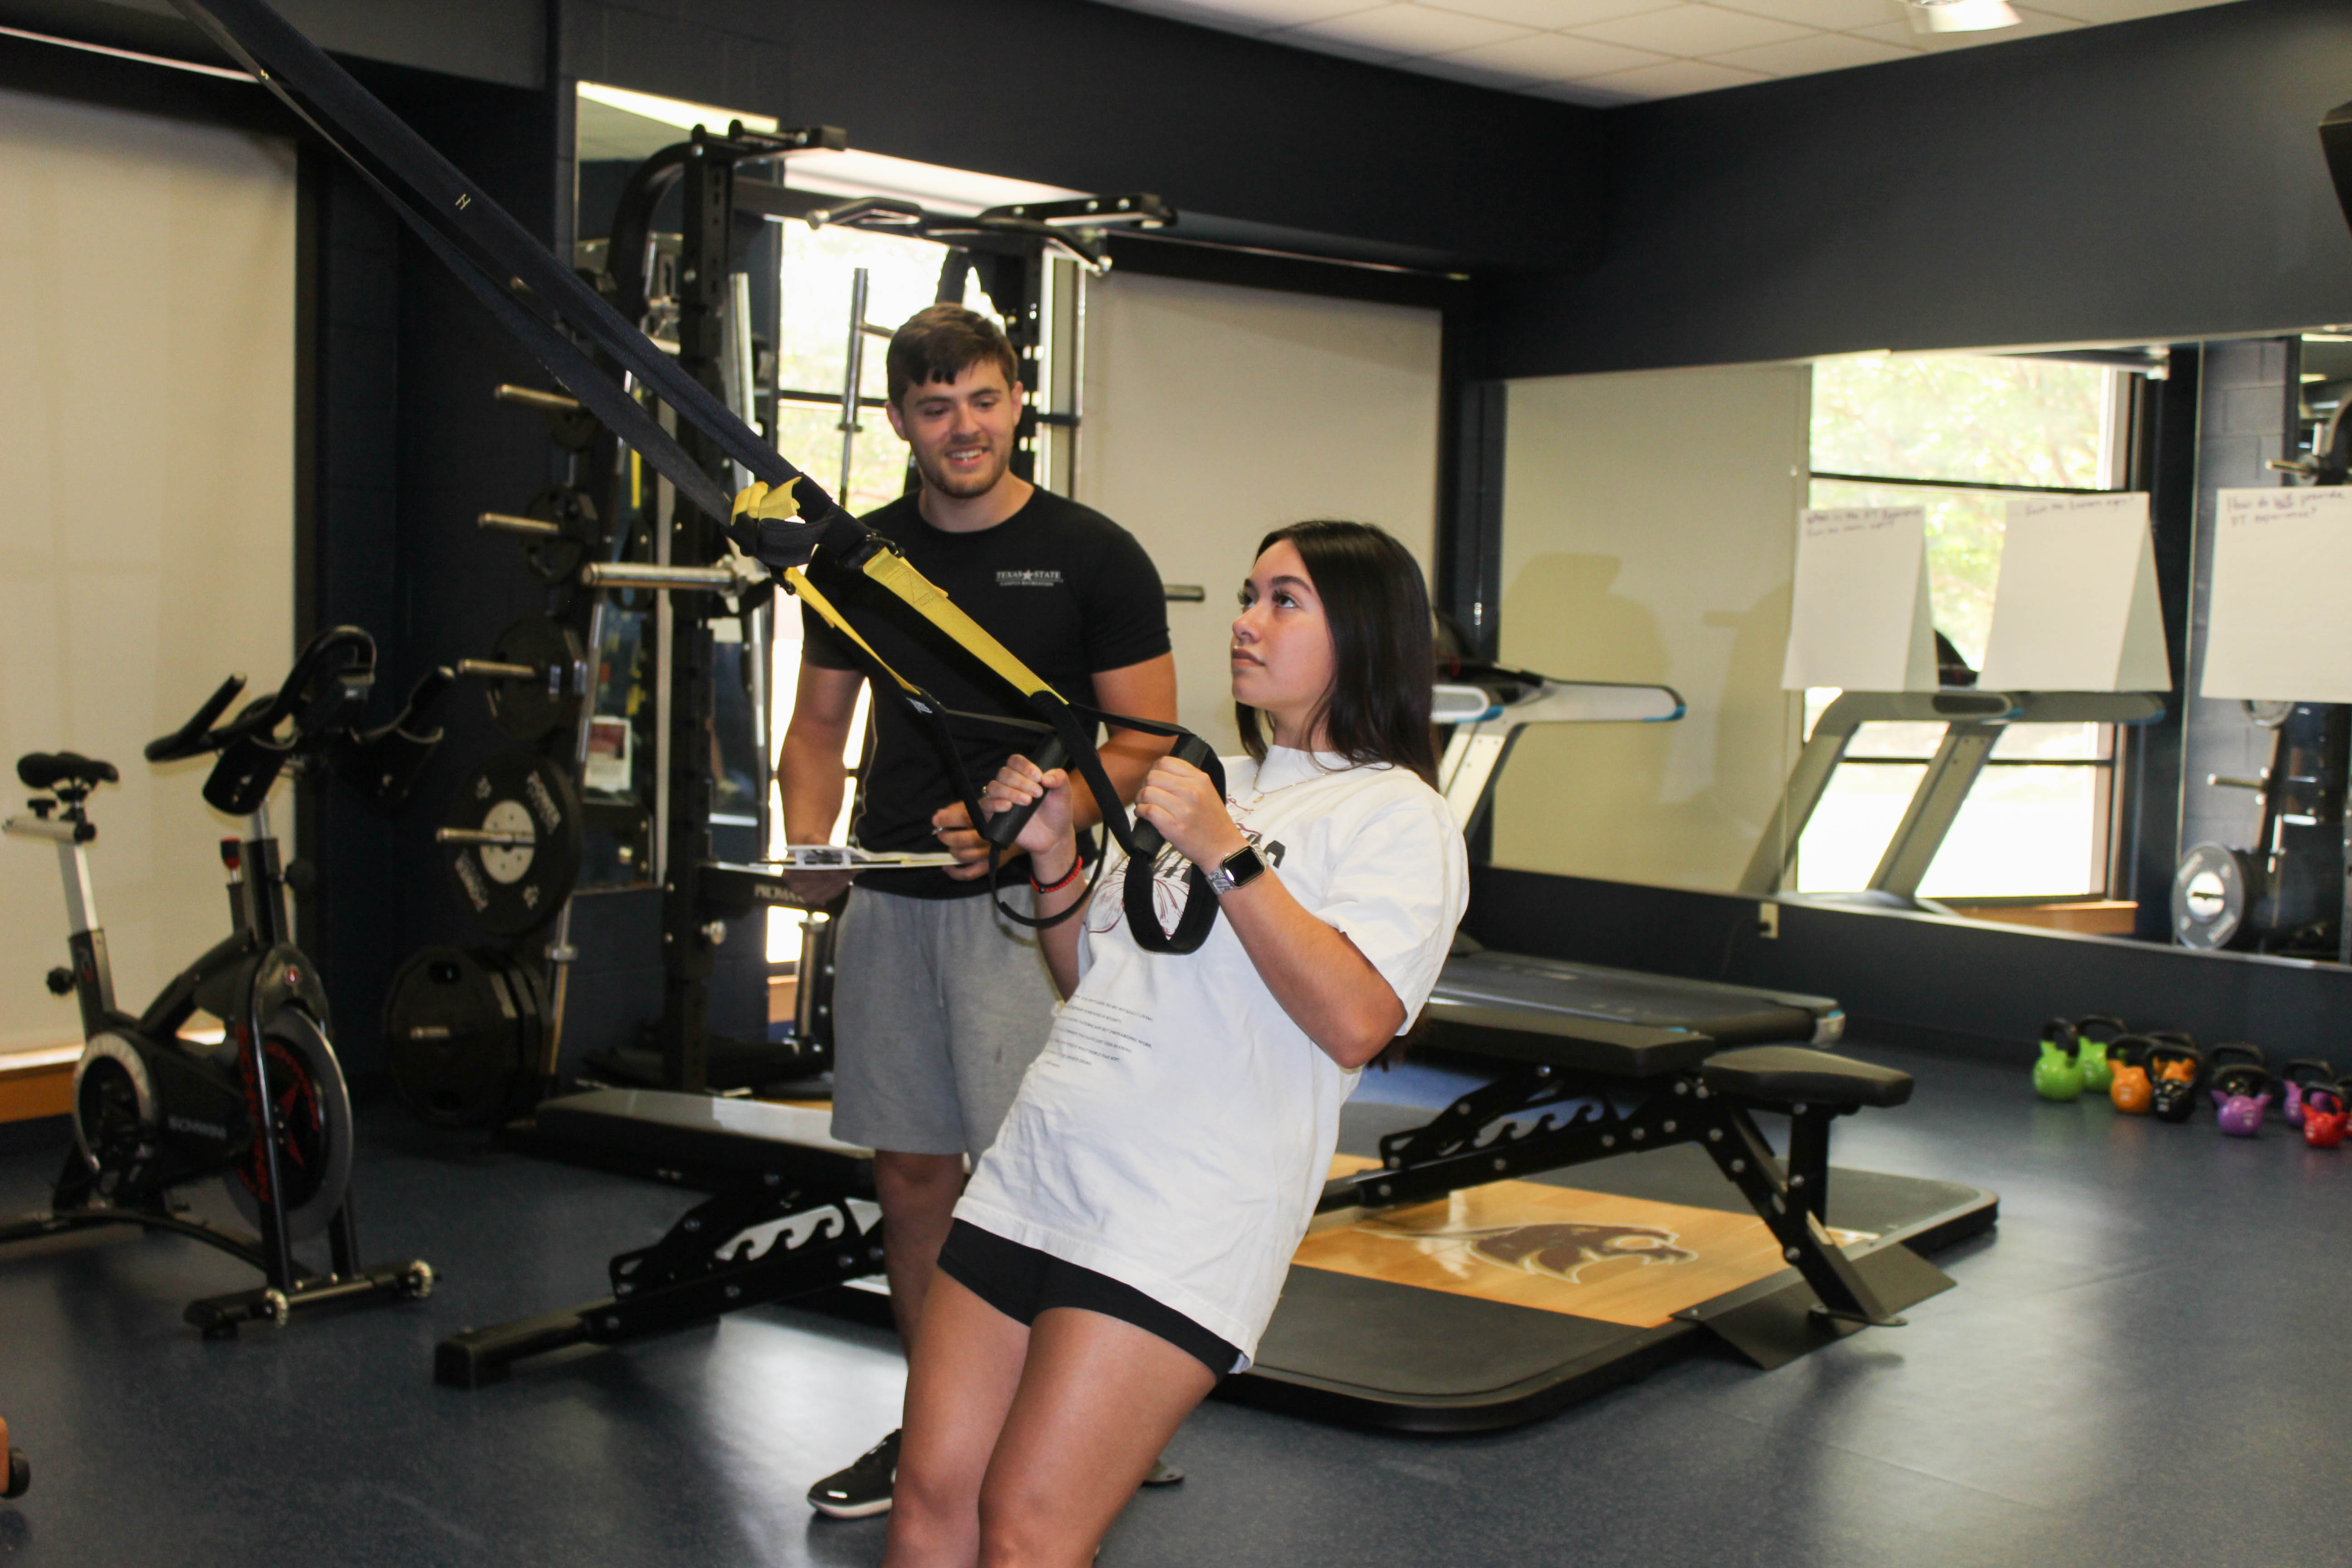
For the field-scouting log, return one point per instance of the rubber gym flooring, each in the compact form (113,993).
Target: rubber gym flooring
(2144,1364)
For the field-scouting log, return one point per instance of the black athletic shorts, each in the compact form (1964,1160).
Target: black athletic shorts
(1021,1282)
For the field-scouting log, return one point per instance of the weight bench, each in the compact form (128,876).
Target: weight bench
(1596,1072)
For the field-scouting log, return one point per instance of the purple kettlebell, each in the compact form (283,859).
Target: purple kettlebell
(2238,1114)
(2302,1074)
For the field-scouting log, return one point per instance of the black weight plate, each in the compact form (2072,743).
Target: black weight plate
(460,1032)
(531,710)
(529,991)
(2211,893)
(514,888)
(569,509)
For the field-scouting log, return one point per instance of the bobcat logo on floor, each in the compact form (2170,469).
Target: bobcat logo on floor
(1561,1250)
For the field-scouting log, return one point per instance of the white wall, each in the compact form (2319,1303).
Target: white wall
(146,543)
(1649,534)
(1212,414)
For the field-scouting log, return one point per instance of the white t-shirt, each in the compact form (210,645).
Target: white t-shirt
(1177,1127)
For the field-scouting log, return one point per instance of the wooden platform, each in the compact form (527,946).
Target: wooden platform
(38,1083)
(1605,1255)
(1502,1304)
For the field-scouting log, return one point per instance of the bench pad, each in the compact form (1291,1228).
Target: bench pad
(1791,1075)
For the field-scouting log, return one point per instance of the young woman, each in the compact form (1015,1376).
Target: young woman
(1122,1243)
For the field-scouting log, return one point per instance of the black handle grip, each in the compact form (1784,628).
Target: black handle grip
(188,739)
(1190,749)
(1006,826)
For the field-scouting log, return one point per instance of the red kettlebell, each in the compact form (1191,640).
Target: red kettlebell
(2324,1115)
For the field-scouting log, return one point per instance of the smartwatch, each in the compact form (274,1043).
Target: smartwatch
(1244,865)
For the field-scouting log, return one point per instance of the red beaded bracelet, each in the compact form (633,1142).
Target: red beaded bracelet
(1067,876)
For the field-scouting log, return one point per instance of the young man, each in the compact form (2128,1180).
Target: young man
(939,1005)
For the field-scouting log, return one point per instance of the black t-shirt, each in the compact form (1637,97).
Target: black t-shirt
(1069,591)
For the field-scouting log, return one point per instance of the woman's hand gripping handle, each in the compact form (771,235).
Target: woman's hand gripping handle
(1038,800)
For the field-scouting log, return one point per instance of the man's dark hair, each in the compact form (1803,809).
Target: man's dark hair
(1382,651)
(939,342)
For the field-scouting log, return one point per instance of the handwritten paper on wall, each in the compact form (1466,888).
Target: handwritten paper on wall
(2076,609)
(2276,626)
(1858,618)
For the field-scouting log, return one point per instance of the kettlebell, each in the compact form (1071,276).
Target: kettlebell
(2094,1034)
(2056,1075)
(2130,1090)
(2241,1098)
(2176,1069)
(2298,1075)
(2324,1115)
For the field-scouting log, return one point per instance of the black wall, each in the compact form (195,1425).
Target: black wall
(2150,181)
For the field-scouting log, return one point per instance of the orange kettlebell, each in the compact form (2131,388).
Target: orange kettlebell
(2129,1090)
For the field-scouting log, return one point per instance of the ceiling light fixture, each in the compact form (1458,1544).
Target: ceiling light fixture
(1961,15)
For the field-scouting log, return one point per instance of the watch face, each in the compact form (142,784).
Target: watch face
(1241,866)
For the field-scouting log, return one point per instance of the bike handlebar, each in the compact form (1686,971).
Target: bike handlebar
(316,715)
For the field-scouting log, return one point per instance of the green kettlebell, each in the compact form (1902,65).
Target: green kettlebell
(2094,1034)
(2056,1074)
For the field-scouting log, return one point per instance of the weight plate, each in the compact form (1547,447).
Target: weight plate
(461,1034)
(313,1111)
(516,887)
(531,710)
(569,508)
(2211,893)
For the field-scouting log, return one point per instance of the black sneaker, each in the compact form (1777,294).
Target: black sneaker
(864,1489)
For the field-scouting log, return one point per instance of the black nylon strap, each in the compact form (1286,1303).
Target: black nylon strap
(467,225)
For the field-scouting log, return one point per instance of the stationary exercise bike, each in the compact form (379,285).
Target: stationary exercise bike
(265,1108)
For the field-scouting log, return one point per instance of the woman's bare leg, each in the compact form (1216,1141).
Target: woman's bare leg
(962,1377)
(1097,1399)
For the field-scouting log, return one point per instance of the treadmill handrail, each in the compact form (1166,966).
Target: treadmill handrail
(1973,719)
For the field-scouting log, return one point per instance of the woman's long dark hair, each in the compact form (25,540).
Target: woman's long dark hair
(1377,606)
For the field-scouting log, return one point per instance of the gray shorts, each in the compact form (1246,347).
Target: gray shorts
(938,1007)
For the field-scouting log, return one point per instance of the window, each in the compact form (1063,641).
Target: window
(1957,435)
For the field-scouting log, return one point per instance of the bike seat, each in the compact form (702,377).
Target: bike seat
(48,769)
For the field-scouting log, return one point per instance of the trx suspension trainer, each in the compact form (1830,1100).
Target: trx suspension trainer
(784,520)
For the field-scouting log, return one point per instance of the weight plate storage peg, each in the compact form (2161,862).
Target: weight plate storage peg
(463,1030)
(513,838)
(535,679)
(555,557)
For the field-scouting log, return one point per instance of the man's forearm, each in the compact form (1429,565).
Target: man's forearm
(814,780)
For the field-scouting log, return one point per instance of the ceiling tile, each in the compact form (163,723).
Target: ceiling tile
(1554,57)
(1837,15)
(1692,30)
(2121,10)
(1674,78)
(1409,30)
(1553,13)
(1822,52)
(2030,24)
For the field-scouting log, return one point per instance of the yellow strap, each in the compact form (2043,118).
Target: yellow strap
(890,570)
(800,584)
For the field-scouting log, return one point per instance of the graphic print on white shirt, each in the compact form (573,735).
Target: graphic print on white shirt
(1176,1129)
